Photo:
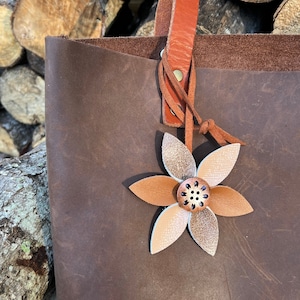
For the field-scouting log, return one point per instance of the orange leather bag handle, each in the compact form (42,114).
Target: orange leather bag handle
(178,20)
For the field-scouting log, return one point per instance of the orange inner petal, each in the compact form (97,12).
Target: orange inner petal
(227,202)
(157,190)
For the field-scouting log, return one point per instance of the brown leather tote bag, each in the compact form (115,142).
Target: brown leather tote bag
(105,124)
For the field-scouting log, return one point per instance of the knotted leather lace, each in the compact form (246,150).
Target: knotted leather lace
(188,115)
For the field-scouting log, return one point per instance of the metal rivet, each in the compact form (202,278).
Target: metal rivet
(161,52)
(178,74)
(172,112)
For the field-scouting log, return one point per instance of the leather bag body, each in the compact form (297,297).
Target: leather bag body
(104,132)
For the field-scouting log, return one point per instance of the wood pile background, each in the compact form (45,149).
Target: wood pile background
(26,269)
(24,24)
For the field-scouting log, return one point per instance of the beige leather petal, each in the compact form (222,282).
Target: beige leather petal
(158,190)
(168,227)
(217,165)
(227,202)
(203,227)
(177,159)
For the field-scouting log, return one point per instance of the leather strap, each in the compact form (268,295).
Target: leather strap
(179,19)
(208,126)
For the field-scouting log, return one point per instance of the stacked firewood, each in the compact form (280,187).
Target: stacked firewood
(23,28)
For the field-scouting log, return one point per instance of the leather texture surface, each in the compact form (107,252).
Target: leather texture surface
(163,17)
(104,132)
(256,52)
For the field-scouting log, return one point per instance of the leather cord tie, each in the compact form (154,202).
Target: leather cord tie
(188,114)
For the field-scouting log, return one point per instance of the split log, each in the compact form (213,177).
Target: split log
(287,18)
(10,49)
(36,19)
(220,17)
(89,23)
(26,264)
(23,95)
(15,137)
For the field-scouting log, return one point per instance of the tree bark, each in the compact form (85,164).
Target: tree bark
(220,17)
(26,266)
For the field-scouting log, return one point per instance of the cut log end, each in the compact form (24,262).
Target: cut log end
(10,49)
(23,95)
(36,19)
(287,18)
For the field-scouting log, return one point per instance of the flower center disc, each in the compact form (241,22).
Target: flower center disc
(193,194)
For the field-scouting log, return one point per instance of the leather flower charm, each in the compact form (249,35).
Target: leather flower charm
(191,195)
